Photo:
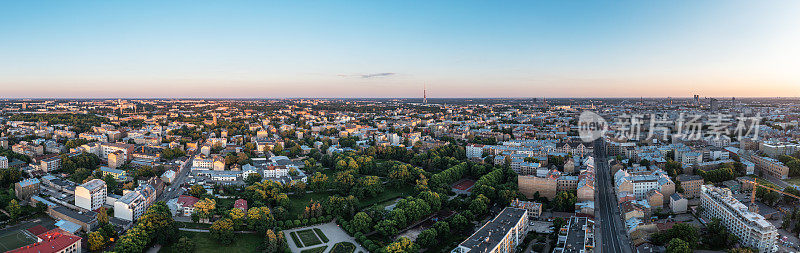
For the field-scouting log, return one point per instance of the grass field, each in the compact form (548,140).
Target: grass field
(387,195)
(319,249)
(308,237)
(15,240)
(244,243)
(321,235)
(343,247)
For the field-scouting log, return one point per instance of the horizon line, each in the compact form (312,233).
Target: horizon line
(251,98)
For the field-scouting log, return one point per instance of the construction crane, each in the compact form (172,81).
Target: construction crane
(755,187)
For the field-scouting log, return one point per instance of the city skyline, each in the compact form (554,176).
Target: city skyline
(249,49)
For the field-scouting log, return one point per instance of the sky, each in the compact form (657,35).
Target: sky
(278,49)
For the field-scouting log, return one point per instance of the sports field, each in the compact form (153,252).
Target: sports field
(15,239)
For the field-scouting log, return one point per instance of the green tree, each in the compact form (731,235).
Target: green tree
(197,190)
(362,222)
(403,245)
(427,238)
(273,242)
(676,245)
(14,209)
(102,215)
(716,236)
(565,201)
(253,178)
(222,231)
(96,241)
(184,245)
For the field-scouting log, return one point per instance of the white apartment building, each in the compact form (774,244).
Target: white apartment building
(91,195)
(108,148)
(752,229)
(134,203)
(474,151)
(500,235)
(3,162)
(205,163)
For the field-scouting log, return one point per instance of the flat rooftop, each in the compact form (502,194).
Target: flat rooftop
(488,236)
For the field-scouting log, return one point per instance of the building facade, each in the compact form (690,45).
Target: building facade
(752,229)
(91,195)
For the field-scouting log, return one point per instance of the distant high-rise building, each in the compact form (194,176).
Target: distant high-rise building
(714,104)
(697,99)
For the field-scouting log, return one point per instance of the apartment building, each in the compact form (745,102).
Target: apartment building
(576,236)
(119,175)
(776,149)
(3,162)
(107,148)
(690,184)
(545,186)
(474,151)
(27,188)
(768,166)
(116,159)
(50,164)
(133,204)
(752,229)
(215,163)
(27,149)
(91,195)
(500,235)
(640,183)
(93,137)
(534,208)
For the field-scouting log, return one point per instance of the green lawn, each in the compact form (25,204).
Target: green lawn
(343,247)
(14,240)
(308,237)
(319,249)
(321,235)
(387,195)
(295,240)
(205,243)
(299,203)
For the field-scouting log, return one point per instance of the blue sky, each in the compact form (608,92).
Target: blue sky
(390,48)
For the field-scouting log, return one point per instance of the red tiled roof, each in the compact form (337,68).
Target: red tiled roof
(52,241)
(186,201)
(241,204)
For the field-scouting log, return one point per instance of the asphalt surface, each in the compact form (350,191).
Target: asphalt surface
(174,189)
(613,237)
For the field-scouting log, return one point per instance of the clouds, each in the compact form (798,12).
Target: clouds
(369,75)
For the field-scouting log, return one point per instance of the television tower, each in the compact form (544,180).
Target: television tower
(424,94)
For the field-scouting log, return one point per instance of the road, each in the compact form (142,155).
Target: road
(174,189)
(613,237)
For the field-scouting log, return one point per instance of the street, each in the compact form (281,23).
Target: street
(612,232)
(174,189)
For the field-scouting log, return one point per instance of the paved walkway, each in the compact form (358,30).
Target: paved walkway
(331,230)
(207,231)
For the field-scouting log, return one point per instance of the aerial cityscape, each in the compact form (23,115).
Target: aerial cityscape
(399,126)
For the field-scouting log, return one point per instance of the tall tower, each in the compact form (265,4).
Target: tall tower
(424,94)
